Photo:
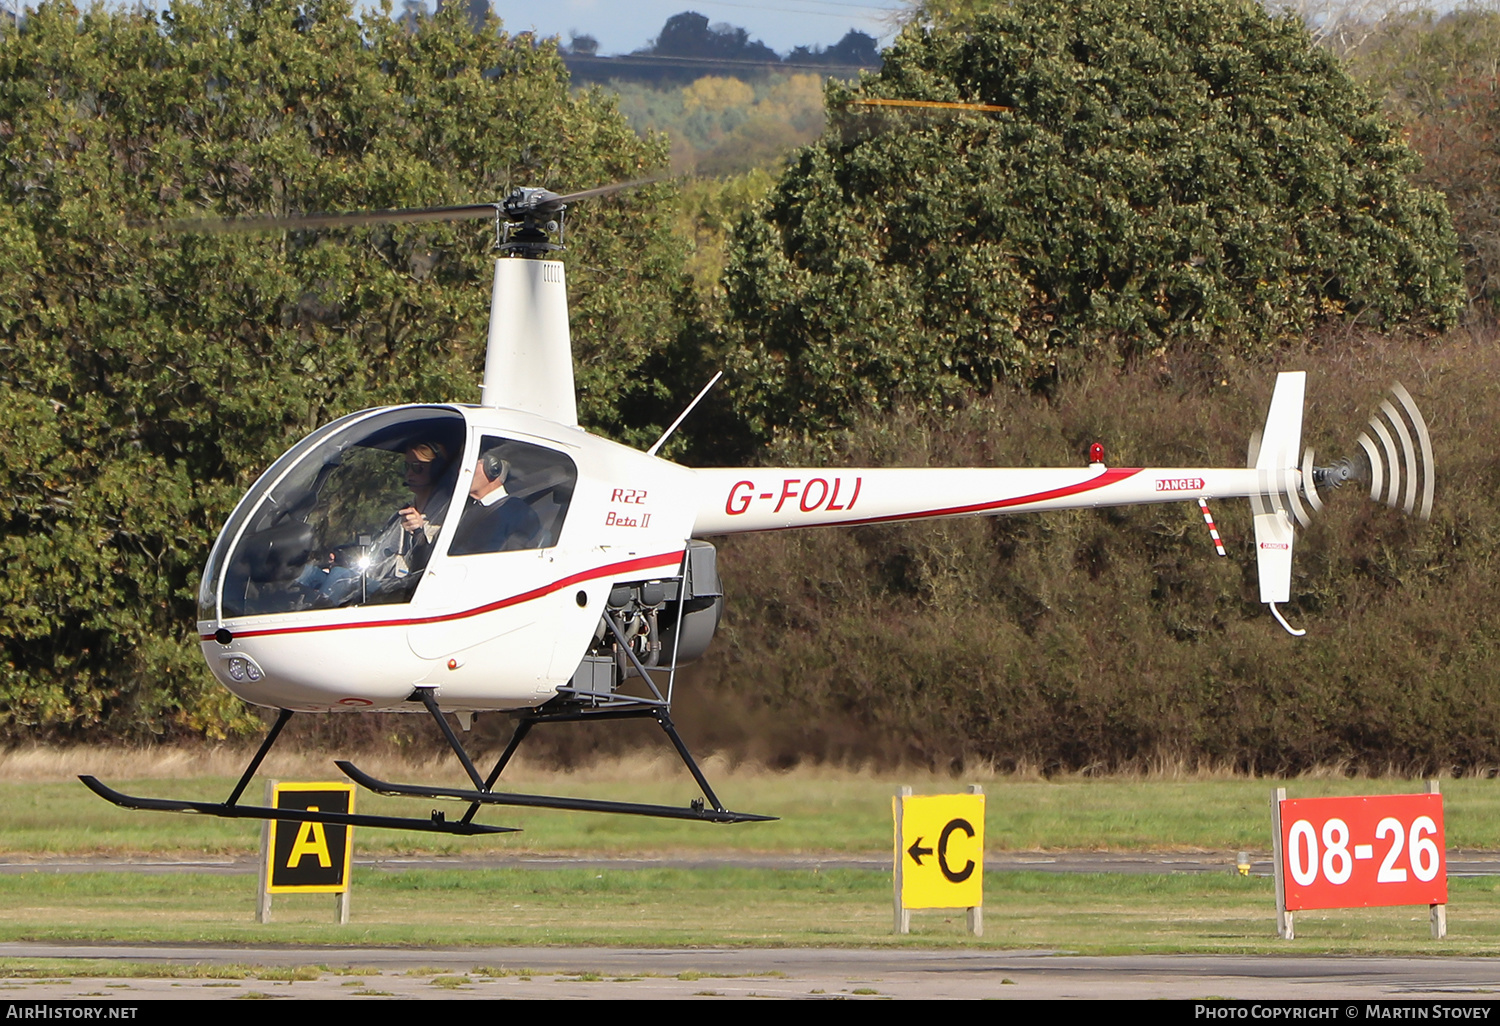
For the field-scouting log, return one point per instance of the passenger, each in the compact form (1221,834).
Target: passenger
(494,520)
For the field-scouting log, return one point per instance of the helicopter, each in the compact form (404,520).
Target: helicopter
(558,576)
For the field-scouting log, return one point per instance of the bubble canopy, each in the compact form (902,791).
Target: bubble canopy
(322,528)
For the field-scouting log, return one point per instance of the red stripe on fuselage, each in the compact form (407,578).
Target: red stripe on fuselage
(643,563)
(1104,480)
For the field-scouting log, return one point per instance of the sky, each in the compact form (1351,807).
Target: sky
(780,24)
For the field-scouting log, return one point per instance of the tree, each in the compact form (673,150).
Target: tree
(147,376)
(477,11)
(1441,76)
(689,35)
(856,50)
(1341,25)
(1169,172)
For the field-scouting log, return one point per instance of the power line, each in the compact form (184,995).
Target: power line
(672,59)
(883,8)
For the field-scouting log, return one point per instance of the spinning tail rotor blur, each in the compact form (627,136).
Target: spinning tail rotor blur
(1400,470)
(1397,465)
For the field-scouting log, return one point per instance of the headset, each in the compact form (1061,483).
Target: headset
(495,468)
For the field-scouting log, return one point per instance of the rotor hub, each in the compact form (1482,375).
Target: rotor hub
(528,220)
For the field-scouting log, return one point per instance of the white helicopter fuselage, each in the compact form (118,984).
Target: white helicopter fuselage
(315,600)
(446,558)
(506,629)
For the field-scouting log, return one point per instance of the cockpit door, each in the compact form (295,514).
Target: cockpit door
(497,567)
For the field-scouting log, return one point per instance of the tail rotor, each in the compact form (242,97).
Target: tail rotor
(1396,463)
(1399,470)
(1394,459)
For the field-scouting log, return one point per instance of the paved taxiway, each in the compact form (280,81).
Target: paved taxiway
(616,973)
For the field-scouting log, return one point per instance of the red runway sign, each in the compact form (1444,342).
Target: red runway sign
(1361,852)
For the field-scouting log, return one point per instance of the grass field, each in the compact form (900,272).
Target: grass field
(824,811)
(1084,913)
(47,812)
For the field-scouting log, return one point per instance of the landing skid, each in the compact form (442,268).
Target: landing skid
(567,707)
(437,824)
(231,809)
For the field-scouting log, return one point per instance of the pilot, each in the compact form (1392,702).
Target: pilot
(423,518)
(493,519)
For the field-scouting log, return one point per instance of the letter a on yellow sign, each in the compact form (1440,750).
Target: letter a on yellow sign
(940,850)
(311,840)
(310,856)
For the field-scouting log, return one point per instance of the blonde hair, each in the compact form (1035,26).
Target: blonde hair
(429,452)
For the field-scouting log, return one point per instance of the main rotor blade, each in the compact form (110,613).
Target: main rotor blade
(212,225)
(358,218)
(605,190)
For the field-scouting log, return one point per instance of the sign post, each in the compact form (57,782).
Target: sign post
(1438,911)
(306,857)
(1359,852)
(939,855)
(263,902)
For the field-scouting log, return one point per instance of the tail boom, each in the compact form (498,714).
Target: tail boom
(732,501)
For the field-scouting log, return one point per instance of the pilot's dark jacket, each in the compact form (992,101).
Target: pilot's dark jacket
(501,527)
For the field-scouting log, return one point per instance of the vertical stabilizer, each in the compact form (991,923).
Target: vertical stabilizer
(528,364)
(1281,441)
(1277,464)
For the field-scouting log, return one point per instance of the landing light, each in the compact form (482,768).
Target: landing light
(241,668)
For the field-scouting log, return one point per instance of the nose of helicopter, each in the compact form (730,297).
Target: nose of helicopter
(307,674)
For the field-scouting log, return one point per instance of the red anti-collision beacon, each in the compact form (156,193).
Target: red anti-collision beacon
(1096,453)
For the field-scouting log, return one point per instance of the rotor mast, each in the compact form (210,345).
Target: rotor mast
(528,362)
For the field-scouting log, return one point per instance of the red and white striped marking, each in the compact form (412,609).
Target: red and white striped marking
(1213,532)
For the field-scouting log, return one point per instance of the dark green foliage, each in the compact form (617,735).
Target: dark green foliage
(1441,76)
(146,376)
(1116,639)
(1211,186)
(1173,171)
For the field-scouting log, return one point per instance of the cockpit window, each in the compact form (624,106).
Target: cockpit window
(352,522)
(518,498)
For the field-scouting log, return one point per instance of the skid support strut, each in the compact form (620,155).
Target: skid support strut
(707,809)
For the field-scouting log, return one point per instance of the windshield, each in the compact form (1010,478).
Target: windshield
(350,521)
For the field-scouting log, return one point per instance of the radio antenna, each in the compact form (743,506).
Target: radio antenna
(683,415)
